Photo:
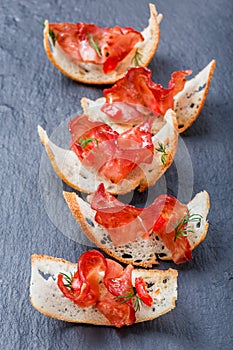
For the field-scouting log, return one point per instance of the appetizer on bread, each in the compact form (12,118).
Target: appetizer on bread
(136,88)
(166,229)
(122,159)
(99,291)
(94,55)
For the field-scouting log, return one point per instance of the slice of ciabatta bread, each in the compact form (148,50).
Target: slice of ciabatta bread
(47,298)
(91,73)
(187,103)
(70,169)
(142,252)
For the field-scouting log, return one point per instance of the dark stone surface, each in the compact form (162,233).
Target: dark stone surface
(33,92)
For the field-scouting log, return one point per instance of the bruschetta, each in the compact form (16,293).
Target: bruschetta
(99,291)
(90,54)
(165,230)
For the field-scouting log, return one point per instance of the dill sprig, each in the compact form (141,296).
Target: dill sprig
(181,229)
(137,58)
(162,149)
(94,44)
(131,295)
(51,33)
(68,279)
(84,142)
(52,36)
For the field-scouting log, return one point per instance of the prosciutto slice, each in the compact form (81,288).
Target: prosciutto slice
(111,154)
(125,223)
(98,282)
(89,43)
(136,91)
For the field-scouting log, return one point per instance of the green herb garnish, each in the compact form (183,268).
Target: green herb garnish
(162,149)
(51,33)
(84,142)
(94,44)
(52,36)
(137,58)
(130,295)
(181,229)
(68,279)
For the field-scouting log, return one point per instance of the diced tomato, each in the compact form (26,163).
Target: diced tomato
(136,88)
(90,43)
(141,289)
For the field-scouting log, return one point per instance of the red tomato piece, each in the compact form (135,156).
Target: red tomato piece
(141,289)
(92,44)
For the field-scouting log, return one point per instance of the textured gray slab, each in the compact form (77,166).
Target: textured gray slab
(33,92)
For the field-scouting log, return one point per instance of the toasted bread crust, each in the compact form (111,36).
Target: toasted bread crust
(147,49)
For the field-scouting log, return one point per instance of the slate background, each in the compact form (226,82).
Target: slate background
(33,92)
